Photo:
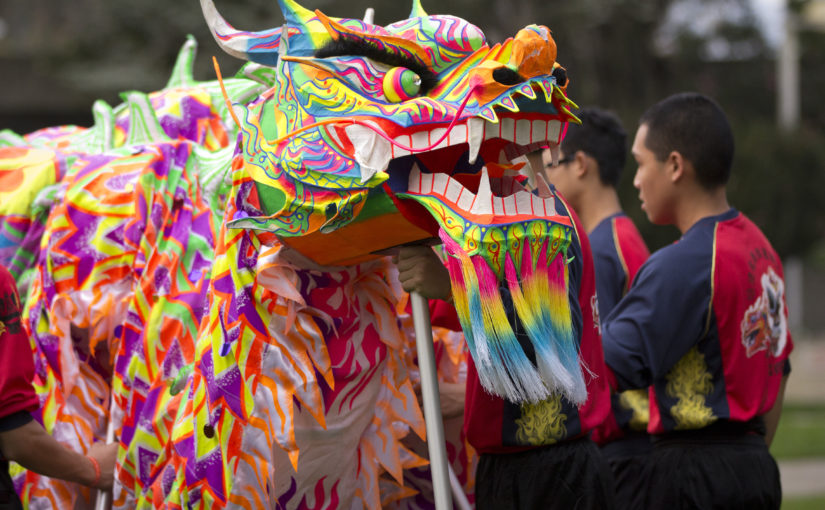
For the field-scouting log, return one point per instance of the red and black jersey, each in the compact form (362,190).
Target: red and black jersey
(618,253)
(16,360)
(494,425)
(704,324)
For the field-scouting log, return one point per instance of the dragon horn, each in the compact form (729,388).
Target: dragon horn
(417,10)
(295,14)
(260,47)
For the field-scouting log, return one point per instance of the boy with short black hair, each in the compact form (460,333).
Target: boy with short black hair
(593,155)
(705,322)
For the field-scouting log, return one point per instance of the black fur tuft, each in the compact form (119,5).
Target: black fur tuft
(351,46)
(507,76)
(560,74)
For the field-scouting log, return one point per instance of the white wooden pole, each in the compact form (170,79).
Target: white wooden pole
(461,501)
(103,499)
(432,402)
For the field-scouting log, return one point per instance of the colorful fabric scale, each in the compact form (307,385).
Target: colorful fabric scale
(299,385)
(119,286)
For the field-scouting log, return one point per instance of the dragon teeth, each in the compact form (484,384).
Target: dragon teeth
(543,187)
(539,130)
(554,153)
(476,130)
(522,202)
(457,136)
(420,140)
(483,203)
(508,129)
(436,135)
(553,130)
(372,152)
(454,189)
(523,132)
(403,141)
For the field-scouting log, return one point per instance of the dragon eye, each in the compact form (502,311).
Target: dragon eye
(401,84)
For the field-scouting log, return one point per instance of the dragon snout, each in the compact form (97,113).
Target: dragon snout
(533,53)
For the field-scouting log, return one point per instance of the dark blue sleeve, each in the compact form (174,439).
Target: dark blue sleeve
(14,420)
(664,314)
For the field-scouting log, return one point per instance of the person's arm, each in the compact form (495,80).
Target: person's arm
(452,398)
(772,416)
(34,449)
(662,316)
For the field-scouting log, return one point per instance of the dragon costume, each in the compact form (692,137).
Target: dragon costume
(218,277)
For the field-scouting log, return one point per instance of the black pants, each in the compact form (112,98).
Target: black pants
(628,458)
(8,497)
(571,475)
(731,473)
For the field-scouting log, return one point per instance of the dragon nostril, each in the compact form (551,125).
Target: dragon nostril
(560,74)
(507,76)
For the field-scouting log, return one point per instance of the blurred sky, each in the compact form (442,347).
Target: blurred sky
(771,17)
(702,19)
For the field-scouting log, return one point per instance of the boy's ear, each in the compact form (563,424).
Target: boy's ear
(581,161)
(676,166)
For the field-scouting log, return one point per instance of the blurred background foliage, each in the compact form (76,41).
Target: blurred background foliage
(58,57)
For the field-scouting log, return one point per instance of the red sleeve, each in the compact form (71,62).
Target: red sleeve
(16,360)
(597,407)
(443,314)
(632,248)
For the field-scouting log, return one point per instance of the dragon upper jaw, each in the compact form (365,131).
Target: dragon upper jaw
(373,152)
(522,133)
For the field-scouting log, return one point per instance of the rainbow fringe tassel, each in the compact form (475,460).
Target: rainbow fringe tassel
(539,290)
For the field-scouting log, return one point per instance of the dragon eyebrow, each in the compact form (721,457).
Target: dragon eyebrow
(352,47)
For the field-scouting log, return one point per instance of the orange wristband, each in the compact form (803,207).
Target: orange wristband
(97,470)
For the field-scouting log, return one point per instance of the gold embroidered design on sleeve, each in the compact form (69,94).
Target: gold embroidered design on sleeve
(690,382)
(542,423)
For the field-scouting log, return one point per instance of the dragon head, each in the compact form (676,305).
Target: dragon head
(359,109)
(764,326)
(374,137)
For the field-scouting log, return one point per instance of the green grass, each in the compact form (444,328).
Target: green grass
(801,433)
(811,503)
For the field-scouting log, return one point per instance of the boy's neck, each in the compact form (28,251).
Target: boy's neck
(699,205)
(598,203)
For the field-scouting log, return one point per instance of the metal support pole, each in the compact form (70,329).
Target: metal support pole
(103,500)
(788,108)
(432,402)
(794,293)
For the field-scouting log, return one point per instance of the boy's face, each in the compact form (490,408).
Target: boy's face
(651,179)
(561,176)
